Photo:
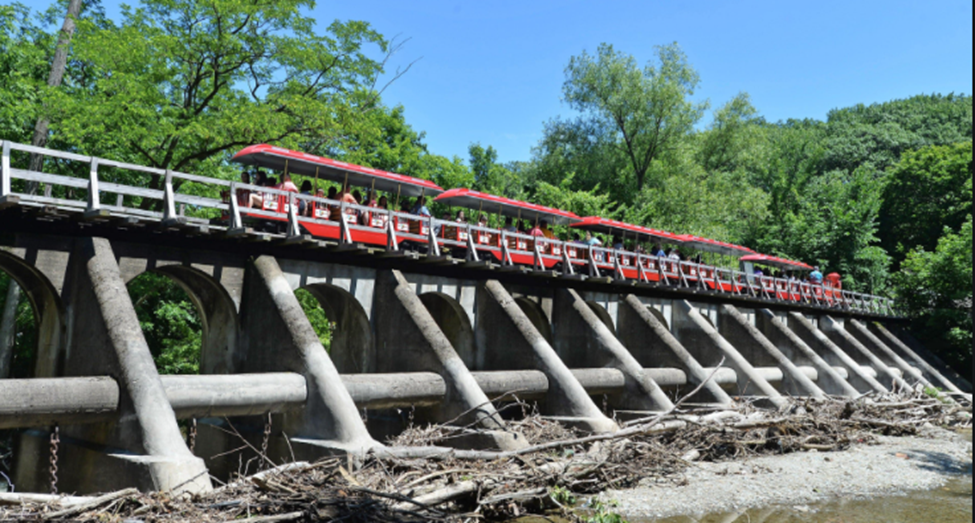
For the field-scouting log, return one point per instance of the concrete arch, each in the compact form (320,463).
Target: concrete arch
(454,322)
(603,315)
(218,312)
(537,316)
(49,313)
(659,315)
(352,348)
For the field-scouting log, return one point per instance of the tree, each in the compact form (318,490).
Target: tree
(927,190)
(648,110)
(734,139)
(24,59)
(934,289)
(179,84)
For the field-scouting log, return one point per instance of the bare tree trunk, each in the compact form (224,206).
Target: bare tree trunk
(54,80)
(8,328)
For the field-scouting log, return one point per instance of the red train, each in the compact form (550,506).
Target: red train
(393,225)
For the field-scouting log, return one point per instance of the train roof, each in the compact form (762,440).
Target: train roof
(602,225)
(717,246)
(485,202)
(296,162)
(775,261)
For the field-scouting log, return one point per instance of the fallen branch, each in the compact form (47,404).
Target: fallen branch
(95,503)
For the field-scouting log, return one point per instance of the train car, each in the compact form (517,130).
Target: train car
(507,246)
(365,222)
(791,287)
(716,278)
(638,266)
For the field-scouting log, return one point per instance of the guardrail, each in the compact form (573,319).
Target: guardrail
(291,215)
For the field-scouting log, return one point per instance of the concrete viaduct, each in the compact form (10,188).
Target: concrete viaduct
(414,338)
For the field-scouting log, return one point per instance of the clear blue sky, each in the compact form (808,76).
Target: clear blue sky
(492,71)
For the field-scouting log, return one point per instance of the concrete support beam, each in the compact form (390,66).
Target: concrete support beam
(224,395)
(43,402)
(841,337)
(277,337)
(708,346)
(830,379)
(650,341)
(940,376)
(509,341)
(735,326)
(857,376)
(105,338)
(409,339)
(867,338)
(402,389)
(583,340)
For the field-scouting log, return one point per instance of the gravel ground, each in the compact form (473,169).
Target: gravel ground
(893,465)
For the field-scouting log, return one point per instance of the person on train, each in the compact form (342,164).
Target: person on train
(834,281)
(482,220)
(639,249)
(546,232)
(536,231)
(509,225)
(383,203)
(303,208)
(815,276)
(675,255)
(245,197)
(617,243)
(460,217)
(286,183)
(592,241)
(357,196)
(420,209)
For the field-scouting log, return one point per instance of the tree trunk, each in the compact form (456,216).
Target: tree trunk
(54,80)
(8,328)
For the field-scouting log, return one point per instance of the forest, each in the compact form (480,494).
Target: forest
(880,192)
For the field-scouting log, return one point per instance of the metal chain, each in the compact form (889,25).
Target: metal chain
(267,438)
(605,404)
(192,435)
(55,441)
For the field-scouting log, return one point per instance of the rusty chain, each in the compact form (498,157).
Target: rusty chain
(191,436)
(267,438)
(53,470)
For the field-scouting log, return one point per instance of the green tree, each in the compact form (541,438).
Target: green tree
(180,84)
(645,112)
(927,190)
(25,50)
(934,289)
(170,323)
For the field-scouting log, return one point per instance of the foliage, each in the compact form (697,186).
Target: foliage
(170,323)
(25,53)
(25,331)
(934,289)
(316,316)
(927,190)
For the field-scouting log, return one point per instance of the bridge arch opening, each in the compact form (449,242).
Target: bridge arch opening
(536,315)
(603,315)
(454,322)
(188,319)
(350,344)
(659,315)
(32,321)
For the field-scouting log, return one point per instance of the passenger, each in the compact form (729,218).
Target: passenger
(536,231)
(383,203)
(460,217)
(509,225)
(303,208)
(834,281)
(617,244)
(816,277)
(546,232)
(758,271)
(420,209)
(639,249)
(246,197)
(286,183)
(523,227)
(333,194)
(405,206)
(357,196)
(482,220)
(675,255)
(698,260)
(437,226)
(592,241)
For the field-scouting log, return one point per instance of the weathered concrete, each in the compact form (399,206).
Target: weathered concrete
(708,346)
(409,339)
(838,334)
(799,352)
(509,341)
(271,316)
(867,338)
(653,345)
(8,327)
(583,339)
(944,376)
(42,402)
(734,326)
(105,338)
(857,376)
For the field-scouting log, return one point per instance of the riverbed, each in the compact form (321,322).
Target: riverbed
(924,478)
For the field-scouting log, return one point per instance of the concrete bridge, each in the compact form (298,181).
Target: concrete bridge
(421,338)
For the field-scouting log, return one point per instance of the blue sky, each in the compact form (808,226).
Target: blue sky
(491,71)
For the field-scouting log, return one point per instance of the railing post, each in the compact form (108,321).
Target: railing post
(505,250)
(471,249)
(392,242)
(344,225)
(434,247)
(566,260)
(5,170)
(169,203)
(293,228)
(94,199)
(235,221)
